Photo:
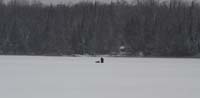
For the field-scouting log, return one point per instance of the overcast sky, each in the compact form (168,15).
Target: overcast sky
(74,1)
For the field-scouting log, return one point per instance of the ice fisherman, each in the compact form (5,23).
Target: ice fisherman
(102,60)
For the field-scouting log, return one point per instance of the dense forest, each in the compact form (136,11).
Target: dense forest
(147,28)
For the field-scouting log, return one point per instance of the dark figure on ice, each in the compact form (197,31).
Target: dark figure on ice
(102,60)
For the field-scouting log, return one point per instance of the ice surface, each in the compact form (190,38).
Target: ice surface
(81,77)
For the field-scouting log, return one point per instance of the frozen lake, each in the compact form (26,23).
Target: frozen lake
(80,77)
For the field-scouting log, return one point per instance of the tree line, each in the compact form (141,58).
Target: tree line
(149,27)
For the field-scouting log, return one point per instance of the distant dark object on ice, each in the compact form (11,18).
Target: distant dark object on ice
(101,60)
(97,61)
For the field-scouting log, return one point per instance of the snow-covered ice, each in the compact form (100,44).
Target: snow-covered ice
(81,77)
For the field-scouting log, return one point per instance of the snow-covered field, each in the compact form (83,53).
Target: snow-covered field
(80,77)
